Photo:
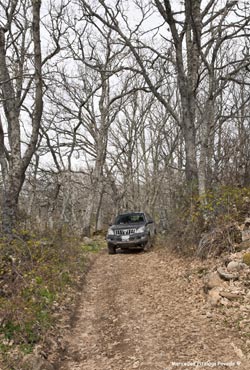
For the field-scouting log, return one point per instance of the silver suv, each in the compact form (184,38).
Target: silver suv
(133,230)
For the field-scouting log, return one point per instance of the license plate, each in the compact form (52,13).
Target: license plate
(125,237)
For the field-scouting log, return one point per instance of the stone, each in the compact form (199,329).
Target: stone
(234,266)
(214,296)
(224,301)
(247,221)
(238,351)
(136,365)
(245,235)
(229,295)
(212,280)
(226,276)
(209,315)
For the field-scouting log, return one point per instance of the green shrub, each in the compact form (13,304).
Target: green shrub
(223,205)
(194,216)
(37,274)
(246,258)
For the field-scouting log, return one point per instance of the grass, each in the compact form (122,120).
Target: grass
(94,246)
(35,276)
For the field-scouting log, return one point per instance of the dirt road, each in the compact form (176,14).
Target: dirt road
(147,311)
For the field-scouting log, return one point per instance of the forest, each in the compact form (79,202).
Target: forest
(115,105)
(121,105)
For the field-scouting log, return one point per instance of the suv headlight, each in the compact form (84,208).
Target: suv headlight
(141,229)
(111,231)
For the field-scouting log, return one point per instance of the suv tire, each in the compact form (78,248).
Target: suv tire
(111,250)
(149,244)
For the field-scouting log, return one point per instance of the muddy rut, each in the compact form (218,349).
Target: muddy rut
(147,311)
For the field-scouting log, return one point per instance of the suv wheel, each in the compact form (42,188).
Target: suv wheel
(111,250)
(148,245)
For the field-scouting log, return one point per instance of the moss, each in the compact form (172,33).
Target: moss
(246,258)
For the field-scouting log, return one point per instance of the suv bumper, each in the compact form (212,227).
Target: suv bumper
(135,241)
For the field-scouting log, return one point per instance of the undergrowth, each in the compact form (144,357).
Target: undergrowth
(35,275)
(220,209)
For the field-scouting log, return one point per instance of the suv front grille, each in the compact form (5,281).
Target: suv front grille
(125,231)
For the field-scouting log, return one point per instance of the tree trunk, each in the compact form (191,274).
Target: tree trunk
(12,101)
(204,170)
(190,150)
(10,196)
(95,197)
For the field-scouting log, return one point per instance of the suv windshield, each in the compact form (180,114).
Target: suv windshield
(130,218)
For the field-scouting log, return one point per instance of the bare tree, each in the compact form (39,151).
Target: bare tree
(21,79)
(88,102)
(142,146)
(130,104)
(187,46)
(17,36)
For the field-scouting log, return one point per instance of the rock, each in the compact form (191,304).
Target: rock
(248,294)
(247,222)
(229,295)
(226,276)
(209,315)
(245,235)
(234,266)
(224,301)
(214,296)
(244,324)
(212,280)
(136,365)
(238,351)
